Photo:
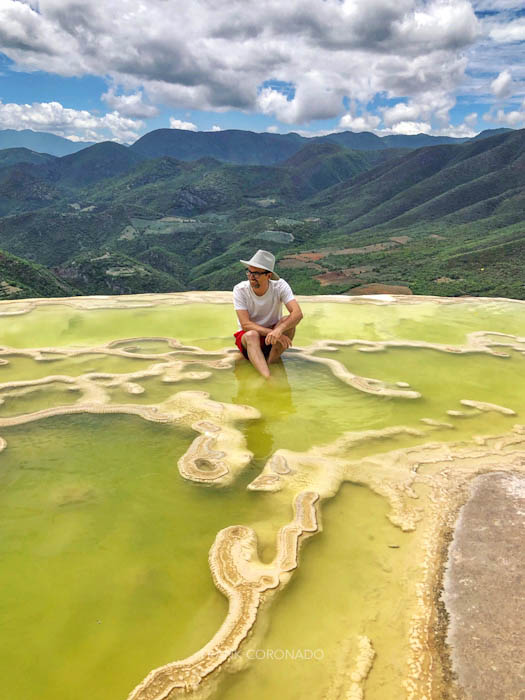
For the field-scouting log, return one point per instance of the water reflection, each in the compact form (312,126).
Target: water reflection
(273,398)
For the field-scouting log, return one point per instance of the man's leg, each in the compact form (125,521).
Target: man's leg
(251,341)
(278,349)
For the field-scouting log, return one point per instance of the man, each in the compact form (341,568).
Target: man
(264,333)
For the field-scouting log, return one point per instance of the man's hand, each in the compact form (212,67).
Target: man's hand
(275,336)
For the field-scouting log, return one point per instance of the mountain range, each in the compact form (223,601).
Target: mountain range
(230,146)
(446,218)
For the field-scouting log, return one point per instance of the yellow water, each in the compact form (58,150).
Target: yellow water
(349,583)
(104,555)
(58,325)
(103,546)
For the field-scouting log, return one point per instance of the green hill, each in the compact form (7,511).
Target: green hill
(12,156)
(430,183)
(22,189)
(99,162)
(445,219)
(20,279)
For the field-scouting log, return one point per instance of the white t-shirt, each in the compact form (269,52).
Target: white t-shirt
(267,309)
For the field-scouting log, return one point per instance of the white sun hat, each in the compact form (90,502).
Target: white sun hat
(264,259)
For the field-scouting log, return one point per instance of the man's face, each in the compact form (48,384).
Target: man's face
(258,277)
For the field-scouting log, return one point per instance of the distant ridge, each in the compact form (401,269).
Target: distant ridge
(40,141)
(490,132)
(232,145)
(250,148)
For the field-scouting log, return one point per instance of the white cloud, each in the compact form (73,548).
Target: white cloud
(363,122)
(509,31)
(441,24)
(220,55)
(463,130)
(514,118)
(78,125)
(502,85)
(215,127)
(401,112)
(408,128)
(186,126)
(273,129)
(417,115)
(129,105)
(497,50)
(497,5)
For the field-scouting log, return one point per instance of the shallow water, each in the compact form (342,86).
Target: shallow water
(104,555)
(104,546)
(312,636)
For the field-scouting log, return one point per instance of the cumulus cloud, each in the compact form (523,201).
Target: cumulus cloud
(221,55)
(502,85)
(129,105)
(498,50)
(416,115)
(77,125)
(401,112)
(409,128)
(514,118)
(463,130)
(215,127)
(185,126)
(363,122)
(509,31)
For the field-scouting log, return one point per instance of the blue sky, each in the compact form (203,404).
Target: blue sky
(118,69)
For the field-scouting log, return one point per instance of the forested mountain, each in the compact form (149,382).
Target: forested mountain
(247,147)
(229,146)
(446,219)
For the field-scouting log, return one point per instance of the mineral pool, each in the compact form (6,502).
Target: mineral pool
(172,524)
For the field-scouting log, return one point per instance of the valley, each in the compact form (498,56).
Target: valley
(444,220)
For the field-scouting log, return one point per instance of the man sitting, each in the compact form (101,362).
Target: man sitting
(264,333)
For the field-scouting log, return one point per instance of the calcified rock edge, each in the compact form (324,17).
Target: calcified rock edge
(219,452)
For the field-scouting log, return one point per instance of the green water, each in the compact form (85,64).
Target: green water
(443,380)
(104,572)
(361,587)
(25,368)
(425,320)
(59,325)
(53,394)
(211,327)
(103,546)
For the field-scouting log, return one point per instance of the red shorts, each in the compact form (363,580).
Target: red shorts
(238,342)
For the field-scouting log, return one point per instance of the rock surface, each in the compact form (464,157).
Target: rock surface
(483,590)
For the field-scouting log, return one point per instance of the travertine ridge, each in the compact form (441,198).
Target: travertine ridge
(245,581)
(348,681)
(216,455)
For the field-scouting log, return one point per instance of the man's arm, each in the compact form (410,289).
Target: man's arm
(287,322)
(247,325)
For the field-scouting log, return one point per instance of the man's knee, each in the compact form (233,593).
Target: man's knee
(251,337)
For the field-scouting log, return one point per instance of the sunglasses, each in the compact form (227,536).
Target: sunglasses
(249,273)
